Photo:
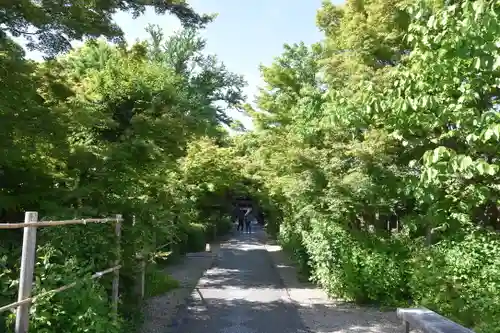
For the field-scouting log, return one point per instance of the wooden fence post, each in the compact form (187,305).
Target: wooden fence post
(116,278)
(27,270)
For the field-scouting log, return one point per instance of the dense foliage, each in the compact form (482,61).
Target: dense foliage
(381,146)
(101,130)
(375,154)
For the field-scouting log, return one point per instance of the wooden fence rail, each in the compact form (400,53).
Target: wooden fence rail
(55,291)
(53,223)
(28,259)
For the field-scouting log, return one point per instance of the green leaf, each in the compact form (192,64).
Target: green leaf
(465,162)
(438,153)
(492,132)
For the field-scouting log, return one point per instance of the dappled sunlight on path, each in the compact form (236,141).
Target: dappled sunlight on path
(244,292)
(241,293)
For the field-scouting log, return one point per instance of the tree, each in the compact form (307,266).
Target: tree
(208,86)
(102,130)
(292,76)
(385,173)
(50,26)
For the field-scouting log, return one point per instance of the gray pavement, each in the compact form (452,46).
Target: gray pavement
(241,293)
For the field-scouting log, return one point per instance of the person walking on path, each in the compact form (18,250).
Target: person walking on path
(241,219)
(248,220)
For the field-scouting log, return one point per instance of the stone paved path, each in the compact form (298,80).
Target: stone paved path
(241,293)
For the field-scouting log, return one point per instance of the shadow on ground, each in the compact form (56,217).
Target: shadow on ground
(242,263)
(345,318)
(244,293)
(247,316)
(325,315)
(241,316)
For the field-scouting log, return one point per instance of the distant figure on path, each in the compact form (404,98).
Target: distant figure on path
(248,220)
(241,219)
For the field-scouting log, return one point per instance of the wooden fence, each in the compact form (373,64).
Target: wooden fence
(28,259)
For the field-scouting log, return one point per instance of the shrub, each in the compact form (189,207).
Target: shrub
(460,278)
(196,237)
(83,308)
(360,268)
(224,225)
(291,240)
(158,282)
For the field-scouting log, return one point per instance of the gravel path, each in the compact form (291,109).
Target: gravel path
(242,293)
(160,312)
(250,286)
(323,315)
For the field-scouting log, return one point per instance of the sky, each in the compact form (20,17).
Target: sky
(244,35)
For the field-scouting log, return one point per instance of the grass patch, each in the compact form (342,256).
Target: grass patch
(158,282)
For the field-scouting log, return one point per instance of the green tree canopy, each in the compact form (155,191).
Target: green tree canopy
(50,26)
